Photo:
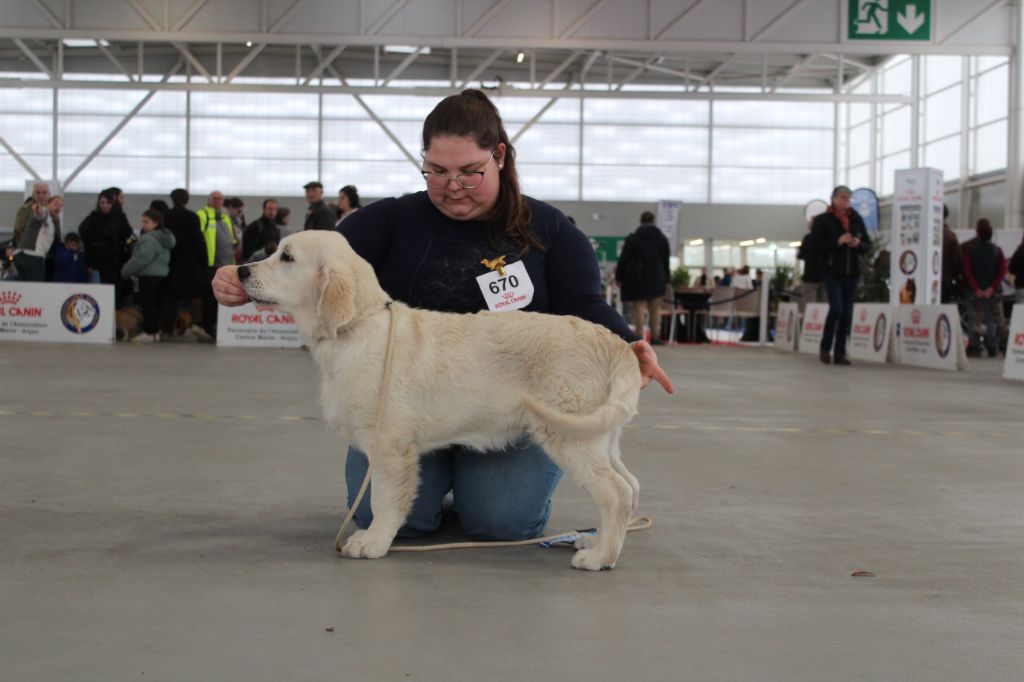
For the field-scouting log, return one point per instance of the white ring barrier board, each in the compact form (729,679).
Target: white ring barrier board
(871,333)
(56,312)
(1014,365)
(256,326)
(787,323)
(813,327)
(929,336)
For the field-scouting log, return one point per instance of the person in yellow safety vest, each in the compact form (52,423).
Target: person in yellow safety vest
(218,231)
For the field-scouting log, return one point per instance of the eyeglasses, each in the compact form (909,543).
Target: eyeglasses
(467,180)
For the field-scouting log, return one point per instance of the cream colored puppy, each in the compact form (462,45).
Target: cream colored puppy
(478,380)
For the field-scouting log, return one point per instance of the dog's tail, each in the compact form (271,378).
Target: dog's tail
(619,408)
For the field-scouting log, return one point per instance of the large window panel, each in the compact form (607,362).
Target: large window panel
(992,93)
(363,140)
(373,178)
(773,148)
(134,174)
(655,145)
(859,176)
(859,141)
(990,147)
(515,111)
(254,105)
(897,79)
(13,175)
(254,138)
(769,186)
(889,166)
(549,181)
(27,133)
(859,113)
(251,175)
(944,155)
(896,131)
(941,71)
(644,183)
(942,114)
(774,114)
(657,111)
(549,143)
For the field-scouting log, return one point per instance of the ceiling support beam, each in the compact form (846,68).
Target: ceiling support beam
(397,71)
(19,158)
(584,18)
(32,57)
(475,73)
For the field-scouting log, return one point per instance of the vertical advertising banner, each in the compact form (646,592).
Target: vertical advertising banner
(916,242)
(668,220)
(872,330)
(52,311)
(813,327)
(865,202)
(929,336)
(1014,365)
(787,326)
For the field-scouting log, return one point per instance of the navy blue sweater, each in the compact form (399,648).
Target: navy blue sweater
(427,260)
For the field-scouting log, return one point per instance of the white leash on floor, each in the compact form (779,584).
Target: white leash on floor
(636,523)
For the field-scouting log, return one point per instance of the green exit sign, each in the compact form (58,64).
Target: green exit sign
(890,20)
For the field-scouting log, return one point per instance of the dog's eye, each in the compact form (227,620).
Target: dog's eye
(286,257)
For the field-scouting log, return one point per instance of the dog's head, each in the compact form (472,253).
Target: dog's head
(317,277)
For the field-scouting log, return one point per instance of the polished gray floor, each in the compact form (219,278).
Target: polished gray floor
(168,513)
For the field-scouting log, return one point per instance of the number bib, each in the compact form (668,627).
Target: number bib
(511,292)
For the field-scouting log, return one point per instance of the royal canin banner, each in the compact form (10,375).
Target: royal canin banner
(256,326)
(56,312)
(813,327)
(1014,366)
(871,332)
(929,336)
(787,326)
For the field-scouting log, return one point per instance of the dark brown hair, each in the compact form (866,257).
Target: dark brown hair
(471,114)
(156,216)
(984,230)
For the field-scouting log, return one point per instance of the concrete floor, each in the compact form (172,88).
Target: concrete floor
(184,532)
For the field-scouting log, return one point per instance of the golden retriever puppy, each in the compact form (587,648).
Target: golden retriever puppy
(478,380)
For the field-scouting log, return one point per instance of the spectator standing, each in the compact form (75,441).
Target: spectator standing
(840,238)
(34,244)
(984,270)
(221,241)
(261,230)
(348,203)
(643,274)
(186,275)
(812,285)
(319,216)
(1016,268)
(69,261)
(150,262)
(952,262)
(284,215)
(41,196)
(742,280)
(105,234)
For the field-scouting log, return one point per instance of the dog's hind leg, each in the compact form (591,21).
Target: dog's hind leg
(620,468)
(590,466)
(394,485)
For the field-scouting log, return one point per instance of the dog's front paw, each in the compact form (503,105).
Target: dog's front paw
(363,545)
(591,560)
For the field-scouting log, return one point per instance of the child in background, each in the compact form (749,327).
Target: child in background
(150,262)
(69,261)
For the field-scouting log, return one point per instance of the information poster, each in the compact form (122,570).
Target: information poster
(52,311)
(256,326)
(916,245)
(787,326)
(929,336)
(872,331)
(668,221)
(813,327)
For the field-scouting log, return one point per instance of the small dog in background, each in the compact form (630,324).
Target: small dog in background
(128,323)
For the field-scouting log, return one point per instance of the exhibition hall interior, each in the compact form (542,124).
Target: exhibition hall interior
(511,340)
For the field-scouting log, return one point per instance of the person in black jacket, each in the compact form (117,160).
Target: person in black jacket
(261,230)
(1016,268)
(812,285)
(106,235)
(643,273)
(840,239)
(319,216)
(186,279)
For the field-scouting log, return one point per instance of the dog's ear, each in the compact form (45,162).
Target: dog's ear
(336,305)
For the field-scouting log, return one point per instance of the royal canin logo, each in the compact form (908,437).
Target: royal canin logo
(1018,339)
(9,298)
(915,316)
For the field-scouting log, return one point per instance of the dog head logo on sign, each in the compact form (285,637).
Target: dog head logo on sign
(814,314)
(880,325)
(915,316)
(943,336)
(863,314)
(80,313)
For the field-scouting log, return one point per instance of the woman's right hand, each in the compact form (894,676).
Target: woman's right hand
(227,288)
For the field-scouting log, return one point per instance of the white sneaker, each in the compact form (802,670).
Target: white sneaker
(200,334)
(145,338)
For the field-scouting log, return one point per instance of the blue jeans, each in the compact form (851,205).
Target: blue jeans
(841,292)
(501,495)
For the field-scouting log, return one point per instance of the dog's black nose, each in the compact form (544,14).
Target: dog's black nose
(243,272)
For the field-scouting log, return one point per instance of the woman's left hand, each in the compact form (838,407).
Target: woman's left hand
(649,367)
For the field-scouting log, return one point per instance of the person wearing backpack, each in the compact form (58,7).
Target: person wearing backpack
(643,273)
(150,262)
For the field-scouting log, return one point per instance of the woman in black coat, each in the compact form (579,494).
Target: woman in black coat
(187,276)
(839,237)
(105,235)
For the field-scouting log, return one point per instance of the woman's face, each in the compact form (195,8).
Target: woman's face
(343,202)
(104,205)
(842,201)
(147,224)
(454,155)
